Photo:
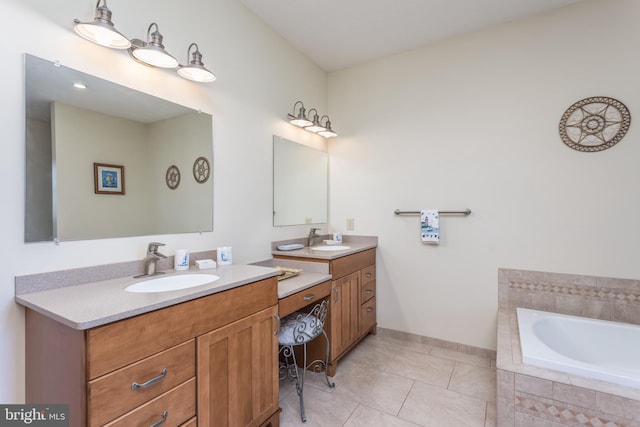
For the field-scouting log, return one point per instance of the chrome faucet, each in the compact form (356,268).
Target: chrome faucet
(151,259)
(312,236)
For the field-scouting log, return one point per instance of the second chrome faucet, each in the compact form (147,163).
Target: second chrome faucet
(312,236)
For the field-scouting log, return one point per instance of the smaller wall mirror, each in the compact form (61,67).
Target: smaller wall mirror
(300,183)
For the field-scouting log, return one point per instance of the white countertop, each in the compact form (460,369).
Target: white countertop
(312,274)
(306,252)
(94,304)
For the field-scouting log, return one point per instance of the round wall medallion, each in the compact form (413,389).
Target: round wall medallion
(201,170)
(173,177)
(594,124)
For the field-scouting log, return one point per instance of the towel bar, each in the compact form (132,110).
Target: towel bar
(464,212)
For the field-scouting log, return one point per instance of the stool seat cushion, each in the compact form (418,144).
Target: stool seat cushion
(299,328)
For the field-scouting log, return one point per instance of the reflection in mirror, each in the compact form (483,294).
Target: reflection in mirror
(68,129)
(300,183)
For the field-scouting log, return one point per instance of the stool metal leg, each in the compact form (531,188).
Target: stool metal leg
(291,371)
(326,362)
(300,383)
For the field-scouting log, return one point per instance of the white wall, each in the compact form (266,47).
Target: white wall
(473,123)
(259,79)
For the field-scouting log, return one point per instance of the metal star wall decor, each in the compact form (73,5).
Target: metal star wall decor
(173,177)
(594,124)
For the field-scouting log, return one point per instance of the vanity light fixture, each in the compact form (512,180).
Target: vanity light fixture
(301,119)
(327,132)
(196,70)
(152,51)
(315,126)
(101,30)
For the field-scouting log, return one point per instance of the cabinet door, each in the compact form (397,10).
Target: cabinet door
(345,313)
(238,372)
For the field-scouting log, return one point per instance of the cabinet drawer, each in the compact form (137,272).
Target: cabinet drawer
(118,344)
(179,404)
(368,274)
(112,395)
(303,298)
(367,315)
(341,267)
(367,291)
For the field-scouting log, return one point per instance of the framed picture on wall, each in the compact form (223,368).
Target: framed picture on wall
(108,179)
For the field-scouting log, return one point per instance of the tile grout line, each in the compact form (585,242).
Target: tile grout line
(351,414)
(413,383)
(451,375)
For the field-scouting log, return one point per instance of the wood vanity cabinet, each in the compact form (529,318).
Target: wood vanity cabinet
(352,308)
(207,362)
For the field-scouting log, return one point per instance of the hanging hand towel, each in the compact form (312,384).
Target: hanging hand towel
(430,226)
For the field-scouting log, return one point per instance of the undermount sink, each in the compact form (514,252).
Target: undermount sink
(330,248)
(172,283)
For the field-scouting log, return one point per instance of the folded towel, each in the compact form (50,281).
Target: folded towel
(430,226)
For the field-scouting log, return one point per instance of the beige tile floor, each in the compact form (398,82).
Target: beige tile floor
(386,381)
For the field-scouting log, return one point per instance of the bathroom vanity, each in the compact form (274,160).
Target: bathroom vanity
(352,290)
(204,356)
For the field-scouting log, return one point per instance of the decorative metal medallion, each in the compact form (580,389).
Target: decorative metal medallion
(173,177)
(594,124)
(201,170)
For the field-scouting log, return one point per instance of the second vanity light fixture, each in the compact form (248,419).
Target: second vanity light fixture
(316,125)
(150,52)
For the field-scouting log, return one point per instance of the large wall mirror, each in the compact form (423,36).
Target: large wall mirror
(70,129)
(300,183)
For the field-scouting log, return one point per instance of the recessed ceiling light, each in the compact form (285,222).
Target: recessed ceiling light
(79,85)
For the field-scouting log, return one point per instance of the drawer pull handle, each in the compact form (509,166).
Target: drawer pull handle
(309,297)
(164,418)
(337,295)
(369,291)
(152,381)
(369,274)
(369,309)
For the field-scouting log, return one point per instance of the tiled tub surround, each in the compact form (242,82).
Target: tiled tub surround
(532,396)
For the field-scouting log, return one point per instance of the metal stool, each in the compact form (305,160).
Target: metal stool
(298,329)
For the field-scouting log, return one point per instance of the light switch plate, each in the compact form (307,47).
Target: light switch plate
(350,224)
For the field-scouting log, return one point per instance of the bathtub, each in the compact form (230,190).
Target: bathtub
(592,348)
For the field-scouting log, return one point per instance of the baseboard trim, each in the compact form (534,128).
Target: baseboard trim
(436,342)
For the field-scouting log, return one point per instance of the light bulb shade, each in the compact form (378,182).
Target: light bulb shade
(196,70)
(101,31)
(328,132)
(196,73)
(315,125)
(152,51)
(301,119)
